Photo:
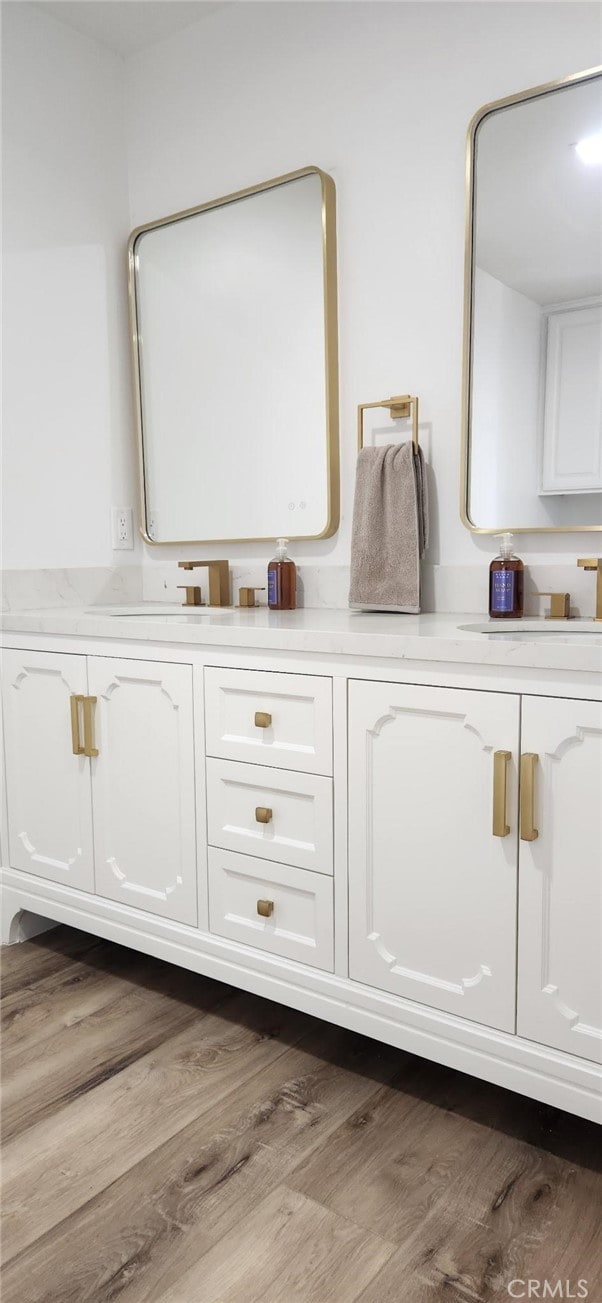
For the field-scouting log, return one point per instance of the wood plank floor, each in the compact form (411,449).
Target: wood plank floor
(167,1139)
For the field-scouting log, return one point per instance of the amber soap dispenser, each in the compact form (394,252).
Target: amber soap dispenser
(282,580)
(506,583)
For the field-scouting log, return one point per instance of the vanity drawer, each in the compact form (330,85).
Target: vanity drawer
(272,906)
(269,718)
(261,811)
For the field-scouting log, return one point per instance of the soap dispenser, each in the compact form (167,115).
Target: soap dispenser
(282,580)
(506,583)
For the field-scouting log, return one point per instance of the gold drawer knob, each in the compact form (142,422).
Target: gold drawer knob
(262,719)
(263,814)
(265,908)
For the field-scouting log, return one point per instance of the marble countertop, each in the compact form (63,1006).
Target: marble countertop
(428,637)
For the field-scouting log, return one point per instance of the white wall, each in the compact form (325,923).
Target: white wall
(67,425)
(507,406)
(380,95)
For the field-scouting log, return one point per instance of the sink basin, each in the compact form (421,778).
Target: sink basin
(535,628)
(153,611)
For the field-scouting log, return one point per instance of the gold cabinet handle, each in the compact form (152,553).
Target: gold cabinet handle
(501,760)
(75,702)
(262,719)
(89,747)
(528,831)
(263,814)
(265,908)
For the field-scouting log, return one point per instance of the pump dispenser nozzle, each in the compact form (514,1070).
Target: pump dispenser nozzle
(506,549)
(506,582)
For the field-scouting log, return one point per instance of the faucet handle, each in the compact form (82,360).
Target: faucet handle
(193,595)
(246,596)
(560,605)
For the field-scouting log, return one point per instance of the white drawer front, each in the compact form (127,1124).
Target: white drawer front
(299,924)
(279,816)
(297,733)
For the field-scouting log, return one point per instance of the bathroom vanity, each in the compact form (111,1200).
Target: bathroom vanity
(391,823)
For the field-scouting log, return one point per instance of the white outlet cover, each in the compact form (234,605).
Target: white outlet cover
(122,529)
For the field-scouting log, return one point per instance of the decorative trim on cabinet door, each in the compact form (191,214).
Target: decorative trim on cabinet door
(431,888)
(461,984)
(560,888)
(143,785)
(48,787)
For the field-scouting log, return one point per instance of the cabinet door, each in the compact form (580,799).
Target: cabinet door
(560,879)
(48,786)
(432,892)
(143,786)
(572,448)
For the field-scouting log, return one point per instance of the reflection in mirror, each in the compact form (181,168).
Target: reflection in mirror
(235,354)
(533,368)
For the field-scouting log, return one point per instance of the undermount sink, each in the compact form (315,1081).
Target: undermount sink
(542,627)
(152,612)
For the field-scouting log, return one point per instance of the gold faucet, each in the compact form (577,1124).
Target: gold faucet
(594,563)
(219,583)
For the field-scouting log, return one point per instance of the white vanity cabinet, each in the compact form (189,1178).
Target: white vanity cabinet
(560,897)
(399,833)
(432,891)
(119,822)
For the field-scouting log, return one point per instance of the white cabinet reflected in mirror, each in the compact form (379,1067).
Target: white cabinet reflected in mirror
(234,328)
(533,313)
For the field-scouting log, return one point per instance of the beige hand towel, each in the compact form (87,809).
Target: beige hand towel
(390,529)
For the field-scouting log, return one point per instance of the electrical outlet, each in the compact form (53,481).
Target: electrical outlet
(122,529)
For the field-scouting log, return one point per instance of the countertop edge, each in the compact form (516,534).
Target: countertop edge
(428,638)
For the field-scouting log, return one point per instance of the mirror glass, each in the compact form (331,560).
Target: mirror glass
(235,353)
(533,347)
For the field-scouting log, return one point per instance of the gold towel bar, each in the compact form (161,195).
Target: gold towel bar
(400,407)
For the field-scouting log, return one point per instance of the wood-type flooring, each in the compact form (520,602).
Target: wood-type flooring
(168,1139)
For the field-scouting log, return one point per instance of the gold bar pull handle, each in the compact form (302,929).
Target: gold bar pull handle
(501,760)
(528,831)
(75,702)
(263,719)
(89,747)
(265,908)
(263,814)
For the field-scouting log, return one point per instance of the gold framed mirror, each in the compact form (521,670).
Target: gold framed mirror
(532,366)
(233,310)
